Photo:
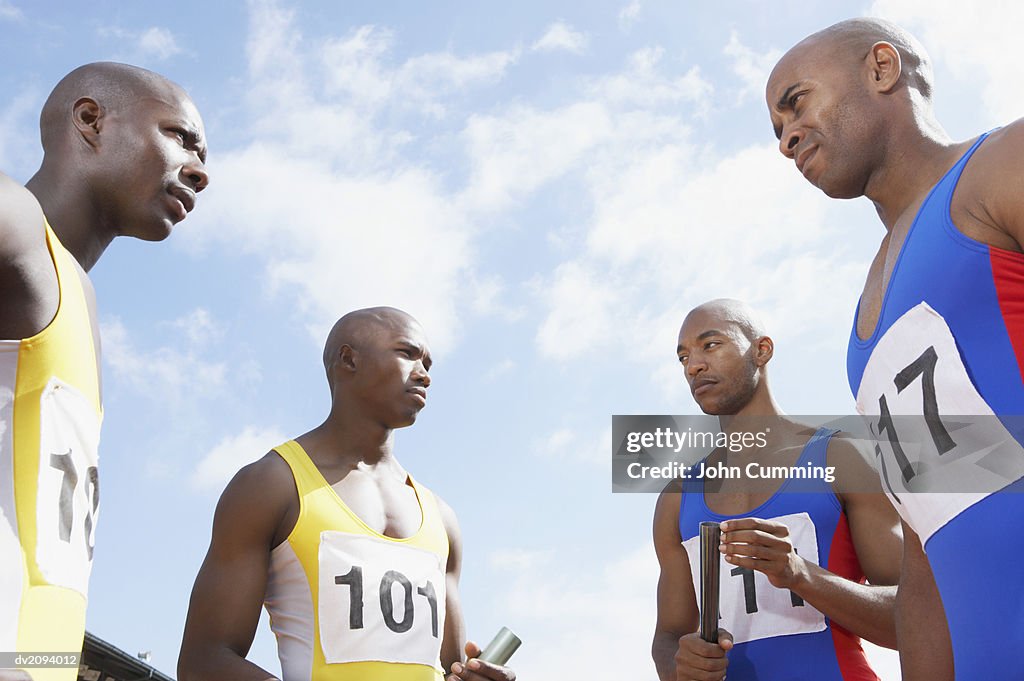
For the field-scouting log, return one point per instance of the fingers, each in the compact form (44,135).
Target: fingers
(699,660)
(472,650)
(478,670)
(725,639)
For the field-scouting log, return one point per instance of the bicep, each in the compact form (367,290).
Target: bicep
(677,600)
(229,589)
(454,625)
(874,522)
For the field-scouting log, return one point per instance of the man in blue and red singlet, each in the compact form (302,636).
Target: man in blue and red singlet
(939,331)
(797,552)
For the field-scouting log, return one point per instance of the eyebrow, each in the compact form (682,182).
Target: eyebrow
(194,140)
(783,102)
(706,334)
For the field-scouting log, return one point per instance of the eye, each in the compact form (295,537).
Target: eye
(711,344)
(683,358)
(795,99)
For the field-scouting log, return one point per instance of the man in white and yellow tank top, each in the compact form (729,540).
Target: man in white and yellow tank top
(123,155)
(356,563)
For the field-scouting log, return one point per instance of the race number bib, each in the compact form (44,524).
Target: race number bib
(379,601)
(68,501)
(750,607)
(916,395)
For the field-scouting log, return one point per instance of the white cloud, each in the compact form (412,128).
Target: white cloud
(561,37)
(751,67)
(572,445)
(199,327)
(972,46)
(356,69)
(149,43)
(344,218)
(629,14)
(170,373)
(500,369)
(217,467)
(10,12)
(158,42)
(606,610)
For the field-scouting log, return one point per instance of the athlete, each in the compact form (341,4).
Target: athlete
(796,552)
(939,329)
(357,563)
(123,154)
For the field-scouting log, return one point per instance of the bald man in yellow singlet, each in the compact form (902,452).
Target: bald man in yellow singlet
(357,563)
(123,154)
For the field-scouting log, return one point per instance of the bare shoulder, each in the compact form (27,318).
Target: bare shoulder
(853,462)
(21,220)
(666,518)
(259,496)
(450,520)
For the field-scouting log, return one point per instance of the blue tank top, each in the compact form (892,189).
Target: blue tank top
(975,293)
(778,636)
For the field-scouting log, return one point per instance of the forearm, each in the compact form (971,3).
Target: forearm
(219,664)
(865,610)
(926,653)
(663,650)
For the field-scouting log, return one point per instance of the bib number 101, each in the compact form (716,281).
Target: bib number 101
(353,579)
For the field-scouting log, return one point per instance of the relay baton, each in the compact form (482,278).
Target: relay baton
(500,649)
(710,571)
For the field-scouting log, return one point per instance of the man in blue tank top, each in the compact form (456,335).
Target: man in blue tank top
(796,553)
(939,330)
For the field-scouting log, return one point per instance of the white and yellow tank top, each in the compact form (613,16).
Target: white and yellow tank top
(50,417)
(348,603)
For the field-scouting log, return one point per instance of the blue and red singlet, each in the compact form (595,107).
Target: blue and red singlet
(778,636)
(949,343)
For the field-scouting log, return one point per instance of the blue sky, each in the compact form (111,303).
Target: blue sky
(548,187)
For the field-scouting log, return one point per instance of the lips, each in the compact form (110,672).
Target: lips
(419,392)
(185,196)
(701,384)
(804,157)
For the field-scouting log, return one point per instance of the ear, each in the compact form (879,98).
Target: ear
(884,66)
(87,117)
(347,358)
(765,350)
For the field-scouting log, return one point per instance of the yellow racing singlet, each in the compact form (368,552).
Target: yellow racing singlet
(50,417)
(349,604)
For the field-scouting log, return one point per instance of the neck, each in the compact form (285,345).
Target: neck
(916,156)
(759,410)
(350,437)
(69,208)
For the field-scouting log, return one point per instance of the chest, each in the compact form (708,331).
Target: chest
(386,507)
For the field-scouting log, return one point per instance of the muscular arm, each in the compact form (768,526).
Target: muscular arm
(28,281)
(454,647)
(926,653)
(228,593)
(866,610)
(677,602)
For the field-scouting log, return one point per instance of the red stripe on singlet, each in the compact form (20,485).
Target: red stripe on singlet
(842,560)
(1008,278)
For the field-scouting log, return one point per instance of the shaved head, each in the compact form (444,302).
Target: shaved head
(852,39)
(735,312)
(358,328)
(111,85)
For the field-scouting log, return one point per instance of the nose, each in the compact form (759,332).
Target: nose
(421,374)
(789,140)
(694,365)
(195,173)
